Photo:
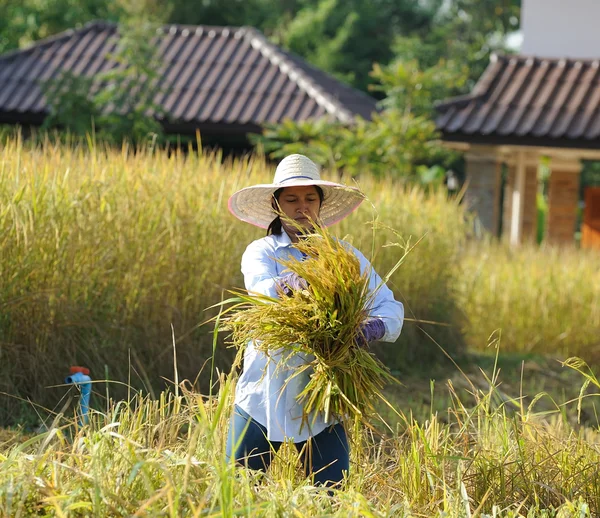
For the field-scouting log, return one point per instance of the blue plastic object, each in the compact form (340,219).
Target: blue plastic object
(80,377)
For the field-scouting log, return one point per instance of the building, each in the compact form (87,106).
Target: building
(224,81)
(542,104)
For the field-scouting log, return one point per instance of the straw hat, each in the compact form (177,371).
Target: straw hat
(253,204)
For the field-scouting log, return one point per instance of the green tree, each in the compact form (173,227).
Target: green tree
(26,21)
(461,32)
(126,99)
(70,104)
(345,37)
(118,103)
(412,89)
(262,14)
(400,140)
(394,142)
(14,24)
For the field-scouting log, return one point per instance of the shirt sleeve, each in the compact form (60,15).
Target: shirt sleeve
(260,268)
(383,305)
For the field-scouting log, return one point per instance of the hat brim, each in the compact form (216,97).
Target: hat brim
(253,204)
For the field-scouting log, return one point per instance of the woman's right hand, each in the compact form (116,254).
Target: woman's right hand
(289,283)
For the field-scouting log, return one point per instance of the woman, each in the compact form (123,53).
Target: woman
(266,410)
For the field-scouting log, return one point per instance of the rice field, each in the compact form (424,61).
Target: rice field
(542,300)
(109,254)
(109,259)
(165,457)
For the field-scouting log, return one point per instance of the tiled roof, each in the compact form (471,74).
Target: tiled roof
(529,101)
(210,75)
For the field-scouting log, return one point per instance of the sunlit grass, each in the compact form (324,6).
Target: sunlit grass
(165,457)
(544,300)
(103,250)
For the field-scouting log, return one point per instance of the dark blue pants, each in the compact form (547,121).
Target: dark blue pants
(326,457)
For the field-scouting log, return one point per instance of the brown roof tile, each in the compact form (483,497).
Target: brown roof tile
(530,101)
(222,75)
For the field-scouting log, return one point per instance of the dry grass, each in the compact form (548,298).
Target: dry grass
(542,300)
(165,457)
(102,250)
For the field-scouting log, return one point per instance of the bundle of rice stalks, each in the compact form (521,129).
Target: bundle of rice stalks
(323,323)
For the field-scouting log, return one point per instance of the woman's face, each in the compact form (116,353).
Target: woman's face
(302,204)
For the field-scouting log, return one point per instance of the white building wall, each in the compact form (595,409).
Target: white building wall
(561,28)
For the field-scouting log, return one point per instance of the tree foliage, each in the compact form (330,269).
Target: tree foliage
(416,52)
(119,103)
(346,37)
(400,140)
(393,143)
(343,37)
(410,88)
(463,32)
(25,21)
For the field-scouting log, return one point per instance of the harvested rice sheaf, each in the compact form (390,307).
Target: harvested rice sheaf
(323,323)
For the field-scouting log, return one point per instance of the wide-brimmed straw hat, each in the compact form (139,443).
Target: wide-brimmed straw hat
(254,204)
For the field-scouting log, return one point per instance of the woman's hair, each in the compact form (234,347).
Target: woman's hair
(275,227)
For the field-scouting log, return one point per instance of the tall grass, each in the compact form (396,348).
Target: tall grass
(542,299)
(425,282)
(103,249)
(165,457)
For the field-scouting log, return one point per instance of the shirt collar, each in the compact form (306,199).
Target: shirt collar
(282,240)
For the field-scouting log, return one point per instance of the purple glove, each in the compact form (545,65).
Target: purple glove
(370,331)
(290,283)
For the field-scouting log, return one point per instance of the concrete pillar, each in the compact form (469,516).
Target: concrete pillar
(482,195)
(530,214)
(563,198)
(526,228)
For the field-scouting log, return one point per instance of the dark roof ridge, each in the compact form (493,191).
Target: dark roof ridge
(458,101)
(44,42)
(533,58)
(278,58)
(191,27)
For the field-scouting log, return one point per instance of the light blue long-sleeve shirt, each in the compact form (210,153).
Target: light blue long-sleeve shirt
(263,389)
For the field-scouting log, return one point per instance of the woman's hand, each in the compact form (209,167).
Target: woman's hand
(289,283)
(370,331)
